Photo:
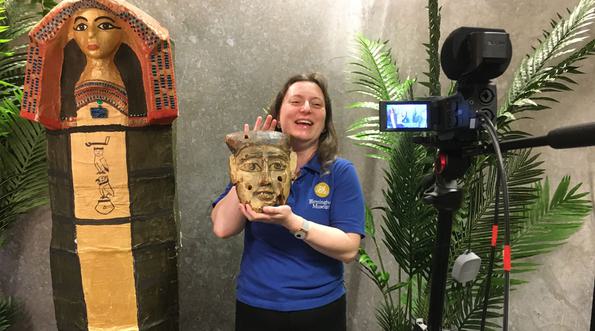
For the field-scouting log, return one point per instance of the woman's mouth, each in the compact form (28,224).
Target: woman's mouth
(92,47)
(304,122)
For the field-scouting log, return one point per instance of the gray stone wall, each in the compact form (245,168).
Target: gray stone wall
(231,57)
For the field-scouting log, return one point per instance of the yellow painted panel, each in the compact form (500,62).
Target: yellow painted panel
(100,175)
(107,273)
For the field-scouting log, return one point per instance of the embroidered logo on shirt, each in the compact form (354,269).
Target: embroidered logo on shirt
(319,204)
(322,190)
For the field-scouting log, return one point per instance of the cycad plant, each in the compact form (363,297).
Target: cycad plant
(540,219)
(23,174)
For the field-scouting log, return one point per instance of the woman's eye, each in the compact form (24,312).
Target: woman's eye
(80,27)
(106,26)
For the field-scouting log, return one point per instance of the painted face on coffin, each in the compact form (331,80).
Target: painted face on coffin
(97,33)
(261,167)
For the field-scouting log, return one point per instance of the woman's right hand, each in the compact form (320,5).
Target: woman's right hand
(269,124)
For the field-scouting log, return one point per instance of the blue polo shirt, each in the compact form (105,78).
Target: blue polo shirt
(282,273)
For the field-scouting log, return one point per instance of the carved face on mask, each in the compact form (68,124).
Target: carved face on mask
(261,167)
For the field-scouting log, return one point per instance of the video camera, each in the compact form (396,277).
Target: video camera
(472,57)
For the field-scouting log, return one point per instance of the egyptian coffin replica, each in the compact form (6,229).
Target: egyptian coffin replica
(99,77)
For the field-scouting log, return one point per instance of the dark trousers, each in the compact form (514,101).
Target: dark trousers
(331,317)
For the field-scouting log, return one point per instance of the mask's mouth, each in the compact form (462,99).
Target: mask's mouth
(265,195)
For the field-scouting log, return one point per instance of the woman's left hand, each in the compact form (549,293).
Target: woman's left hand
(282,215)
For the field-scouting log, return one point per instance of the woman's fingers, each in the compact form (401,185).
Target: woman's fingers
(269,124)
(257,124)
(251,215)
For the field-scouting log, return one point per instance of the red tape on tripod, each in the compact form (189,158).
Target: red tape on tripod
(494,235)
(507,258)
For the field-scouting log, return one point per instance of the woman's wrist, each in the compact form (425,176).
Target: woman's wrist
(294,223)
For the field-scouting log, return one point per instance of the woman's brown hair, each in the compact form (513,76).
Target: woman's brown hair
(327,143)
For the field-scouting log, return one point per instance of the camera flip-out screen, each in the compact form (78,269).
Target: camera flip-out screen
(405,115)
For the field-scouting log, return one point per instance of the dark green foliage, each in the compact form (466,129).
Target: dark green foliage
(540,220)
(8,313)
(23,174)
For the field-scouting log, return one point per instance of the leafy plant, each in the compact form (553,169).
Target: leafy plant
(8,313)
(539,221)
(23,174)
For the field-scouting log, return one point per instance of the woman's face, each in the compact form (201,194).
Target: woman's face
(96,33)
(303,113)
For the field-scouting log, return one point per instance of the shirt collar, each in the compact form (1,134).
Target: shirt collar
(313,164)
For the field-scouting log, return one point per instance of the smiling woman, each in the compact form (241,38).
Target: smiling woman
(291,274)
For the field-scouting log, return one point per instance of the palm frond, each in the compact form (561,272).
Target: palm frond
(408,222)
(376,76)
(551,219)
(8,313)
(538,222)
(391,318)
(433,74)
(539,73)
(375,73)
(23,171)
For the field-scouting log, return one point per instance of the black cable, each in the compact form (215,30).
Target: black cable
(502,171)
(488,284)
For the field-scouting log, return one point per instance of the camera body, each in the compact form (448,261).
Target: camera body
(472,57)
(440,114)
(437,114)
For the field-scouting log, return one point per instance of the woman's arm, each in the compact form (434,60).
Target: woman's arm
(327,240)
(330,241)
(227,219)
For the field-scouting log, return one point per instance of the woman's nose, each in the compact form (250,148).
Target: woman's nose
(306,107)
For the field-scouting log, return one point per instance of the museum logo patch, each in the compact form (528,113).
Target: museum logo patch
(322,190)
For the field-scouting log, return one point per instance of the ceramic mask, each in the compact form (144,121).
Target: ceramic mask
(262,167)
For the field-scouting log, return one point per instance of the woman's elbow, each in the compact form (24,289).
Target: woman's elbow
(349,257)
(221,232)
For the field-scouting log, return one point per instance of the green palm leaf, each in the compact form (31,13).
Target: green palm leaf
(376,76)
(538,223)
(8,313)
(433,83)
(22,157)
(540,73)
(23,174)
(550,220)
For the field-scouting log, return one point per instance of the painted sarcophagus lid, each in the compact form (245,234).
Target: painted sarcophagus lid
(54,65)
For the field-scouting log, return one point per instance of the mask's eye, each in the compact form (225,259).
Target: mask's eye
(250,166)
(80,27)
(107,26)
(277,166)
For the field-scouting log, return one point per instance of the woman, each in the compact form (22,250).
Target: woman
(291,274)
